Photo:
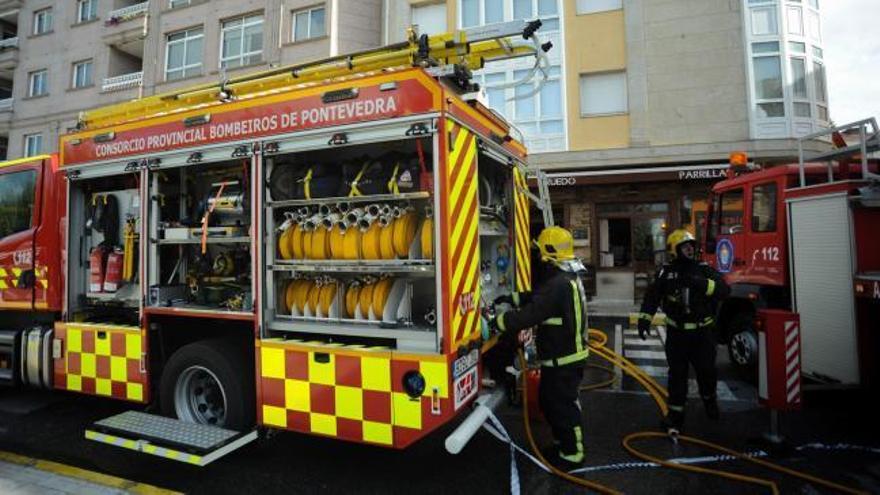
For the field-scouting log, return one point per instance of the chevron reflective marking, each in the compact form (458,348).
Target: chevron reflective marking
(521,231)
(464,257)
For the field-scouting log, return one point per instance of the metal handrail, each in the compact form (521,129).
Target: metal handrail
(129,12)
(124,81)
(869,142)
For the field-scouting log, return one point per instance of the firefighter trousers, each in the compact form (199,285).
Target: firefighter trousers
(690,347)
(559,398)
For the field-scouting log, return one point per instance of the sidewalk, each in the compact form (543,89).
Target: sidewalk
(21,475)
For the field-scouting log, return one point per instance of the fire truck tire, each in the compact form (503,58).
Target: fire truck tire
(742,347)
(211,383)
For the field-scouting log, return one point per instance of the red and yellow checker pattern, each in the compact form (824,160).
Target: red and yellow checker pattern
(521,231)
(104,360)
(352,393)
(462,232)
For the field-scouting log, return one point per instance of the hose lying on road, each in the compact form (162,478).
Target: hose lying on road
(597,340)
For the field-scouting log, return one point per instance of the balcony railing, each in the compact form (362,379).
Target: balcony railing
(124,81)
(126,13)
(6,104)
(9,43)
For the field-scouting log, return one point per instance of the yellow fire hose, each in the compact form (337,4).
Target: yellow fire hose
(659,394)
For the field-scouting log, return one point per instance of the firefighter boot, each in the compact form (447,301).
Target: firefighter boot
(674,421)
(711,406)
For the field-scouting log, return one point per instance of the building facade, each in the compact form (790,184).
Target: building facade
(60,57)
(642,102)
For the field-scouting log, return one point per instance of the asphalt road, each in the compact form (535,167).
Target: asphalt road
(50,426)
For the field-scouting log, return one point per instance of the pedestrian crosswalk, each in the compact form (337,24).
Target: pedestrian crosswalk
(650,356)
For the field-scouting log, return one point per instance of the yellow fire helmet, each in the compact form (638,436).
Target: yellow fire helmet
(677,238)
(556,245)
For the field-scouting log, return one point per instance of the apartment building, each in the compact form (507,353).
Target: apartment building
(60,57)
(644,101)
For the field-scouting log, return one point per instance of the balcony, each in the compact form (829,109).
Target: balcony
(6,104)
(126,29)
(128,13)
(125,81)
(8,54)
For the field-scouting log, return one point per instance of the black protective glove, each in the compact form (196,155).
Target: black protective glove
(493,323)
(505,299)
(644,328)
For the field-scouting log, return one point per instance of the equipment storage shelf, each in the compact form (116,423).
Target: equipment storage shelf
(350,244)
(103,257)
(209,240)
(200,253)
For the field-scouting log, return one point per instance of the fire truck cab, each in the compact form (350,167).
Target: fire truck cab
(803,238)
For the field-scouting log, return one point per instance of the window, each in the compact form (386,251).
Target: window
(183,54)
(731,212)
(431,19)
(797,47)
(308,24)
(38,83)
(17,201)
(480,12)
(242,41)
(603,94)
(795,21)
(594,6)
(539,116)
(764,21)
(815,25)
(764,208)
(33,144)
(799,88)
(43,21)
(82,74)
(768,86)
(821,90)
(86,10)
(178,3)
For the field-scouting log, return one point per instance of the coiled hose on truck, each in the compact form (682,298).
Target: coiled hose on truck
(597,340)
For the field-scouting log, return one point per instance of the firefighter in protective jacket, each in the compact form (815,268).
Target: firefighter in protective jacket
(558,309)
(688,292)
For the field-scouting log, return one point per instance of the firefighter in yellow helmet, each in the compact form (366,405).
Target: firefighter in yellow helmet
(559,310)
(688,293)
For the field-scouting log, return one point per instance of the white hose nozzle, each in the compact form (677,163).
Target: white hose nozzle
(374,210)
(330,220)
(365,221)
(354,215)
(343,207)
(384,221)
(312,222)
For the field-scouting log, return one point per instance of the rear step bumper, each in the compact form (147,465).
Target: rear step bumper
(169,438)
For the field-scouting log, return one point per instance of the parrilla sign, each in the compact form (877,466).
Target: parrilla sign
(260,120)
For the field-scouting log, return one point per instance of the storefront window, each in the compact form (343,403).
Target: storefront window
(632,234)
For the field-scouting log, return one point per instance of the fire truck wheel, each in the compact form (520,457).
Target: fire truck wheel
(205,383)
(743,350)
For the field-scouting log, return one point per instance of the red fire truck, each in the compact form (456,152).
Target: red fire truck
(306,249)
(804,238)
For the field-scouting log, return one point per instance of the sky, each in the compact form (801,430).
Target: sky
(851,34)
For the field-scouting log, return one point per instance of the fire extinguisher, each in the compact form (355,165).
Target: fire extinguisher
(113,276)
(97,266)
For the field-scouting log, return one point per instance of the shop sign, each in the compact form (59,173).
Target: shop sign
(561,181)
(716,173)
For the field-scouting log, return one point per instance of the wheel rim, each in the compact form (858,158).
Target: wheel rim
(199,397)
(742,348)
